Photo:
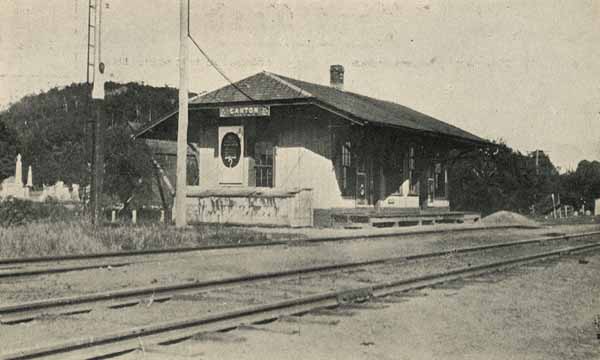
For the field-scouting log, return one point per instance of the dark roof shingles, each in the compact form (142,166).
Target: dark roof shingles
(268,87)
(380,111)
(260,87)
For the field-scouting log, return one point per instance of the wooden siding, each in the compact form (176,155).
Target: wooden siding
(303,152)
(307,141)
(304,155)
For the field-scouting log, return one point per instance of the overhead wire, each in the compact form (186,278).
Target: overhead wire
(216,66)
(213,63)
(219,70)
(210,60)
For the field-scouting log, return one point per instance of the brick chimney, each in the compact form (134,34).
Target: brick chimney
(336,79)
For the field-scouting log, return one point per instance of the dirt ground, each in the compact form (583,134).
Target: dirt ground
(217,264)
(199,266)
(537,312)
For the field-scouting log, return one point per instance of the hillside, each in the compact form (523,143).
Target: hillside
(49,130)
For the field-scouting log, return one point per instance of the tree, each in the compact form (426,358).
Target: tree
(128,168)
(8,151)
(497,177)
(50,130)
(582,186)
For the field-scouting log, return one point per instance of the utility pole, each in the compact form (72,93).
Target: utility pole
(88,122)
(182,124)
(98,124)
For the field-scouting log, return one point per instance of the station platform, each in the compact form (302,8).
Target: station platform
(387,217)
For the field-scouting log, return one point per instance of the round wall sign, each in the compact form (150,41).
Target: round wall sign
(231,149)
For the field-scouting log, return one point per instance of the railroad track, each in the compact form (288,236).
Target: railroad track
(14,263)
(60,269)
(169,332)
(24,267)
(19,313)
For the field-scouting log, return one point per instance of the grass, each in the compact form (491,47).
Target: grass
(78,237)
(49,228)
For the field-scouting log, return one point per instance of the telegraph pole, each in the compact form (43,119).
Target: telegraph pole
(98,124)
(182,124)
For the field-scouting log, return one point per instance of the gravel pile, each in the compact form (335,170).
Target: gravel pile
(508,218)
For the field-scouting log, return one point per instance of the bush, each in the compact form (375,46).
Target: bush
(14,212)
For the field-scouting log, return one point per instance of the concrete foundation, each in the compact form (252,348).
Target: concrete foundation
(251,206)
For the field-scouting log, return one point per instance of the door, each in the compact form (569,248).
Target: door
(362,182)
(231,155)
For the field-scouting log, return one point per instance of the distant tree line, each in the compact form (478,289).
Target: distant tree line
(582,186)
(500,178)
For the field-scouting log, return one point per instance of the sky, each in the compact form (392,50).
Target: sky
(526,72)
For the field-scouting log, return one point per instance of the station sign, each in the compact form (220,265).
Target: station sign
(244,111)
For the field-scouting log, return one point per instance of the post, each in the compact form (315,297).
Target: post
(182,125)
(98,125)
(134,217)
(553,207)
(446,185)
(113,217)
(98,170)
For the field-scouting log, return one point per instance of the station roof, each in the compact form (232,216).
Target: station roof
(266,87)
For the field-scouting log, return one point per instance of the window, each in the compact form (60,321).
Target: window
(263,152)
(346,155)
(348,170)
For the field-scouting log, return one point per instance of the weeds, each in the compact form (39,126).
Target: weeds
(49,228)
(14,212)
(79,237)
(44,238)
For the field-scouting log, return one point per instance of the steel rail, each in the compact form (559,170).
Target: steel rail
(56,270)
(273,310)
(55,258)
(11,314)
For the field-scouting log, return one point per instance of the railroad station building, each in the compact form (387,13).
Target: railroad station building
(279,151)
